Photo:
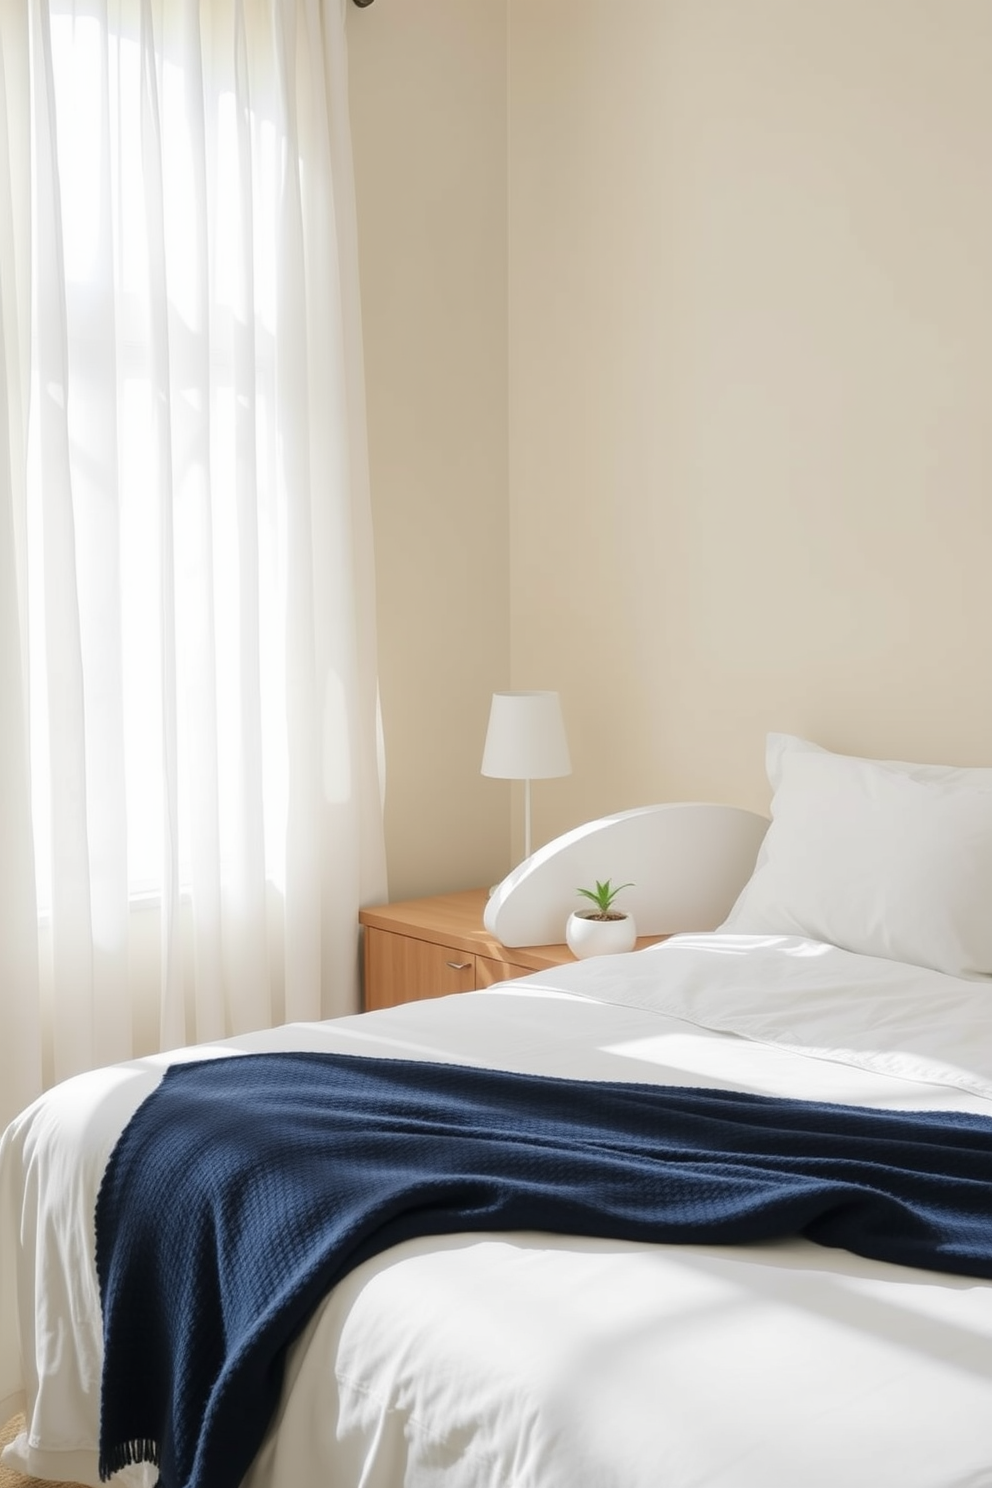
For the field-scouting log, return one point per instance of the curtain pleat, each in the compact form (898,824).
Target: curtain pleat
(188,765)
(61,689)
(93,431)
(19,964)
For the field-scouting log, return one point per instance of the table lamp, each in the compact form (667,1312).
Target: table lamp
(526,741)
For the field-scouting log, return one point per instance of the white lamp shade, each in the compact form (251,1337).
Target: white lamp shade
(526,737)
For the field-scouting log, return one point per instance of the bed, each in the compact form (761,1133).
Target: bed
(853,971)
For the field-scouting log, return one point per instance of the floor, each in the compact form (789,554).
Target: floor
(10,1479)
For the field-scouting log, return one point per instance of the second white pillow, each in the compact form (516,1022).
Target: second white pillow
(878,857)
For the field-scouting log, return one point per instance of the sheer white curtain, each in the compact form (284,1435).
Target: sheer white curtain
(189,800)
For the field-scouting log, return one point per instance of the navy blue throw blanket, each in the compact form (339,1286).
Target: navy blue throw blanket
(243,1188)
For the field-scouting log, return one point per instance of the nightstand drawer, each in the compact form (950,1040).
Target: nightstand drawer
(489,971)
(402,969)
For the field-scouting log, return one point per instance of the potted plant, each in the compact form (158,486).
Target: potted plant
(602,930)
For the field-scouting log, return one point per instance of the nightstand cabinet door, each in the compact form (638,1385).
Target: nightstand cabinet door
(403,969)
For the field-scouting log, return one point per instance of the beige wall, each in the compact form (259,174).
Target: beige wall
(750,384)
(747,335)
(428,108)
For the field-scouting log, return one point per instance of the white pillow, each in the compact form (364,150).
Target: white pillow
(879,857)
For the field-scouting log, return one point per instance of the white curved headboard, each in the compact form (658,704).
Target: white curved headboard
(687,861)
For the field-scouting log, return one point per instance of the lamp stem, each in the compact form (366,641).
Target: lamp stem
(526,818)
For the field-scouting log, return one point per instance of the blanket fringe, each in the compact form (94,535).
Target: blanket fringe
(126,1454)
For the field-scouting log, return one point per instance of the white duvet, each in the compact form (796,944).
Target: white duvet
(532,1361)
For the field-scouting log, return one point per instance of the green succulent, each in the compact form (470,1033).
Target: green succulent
(603,895)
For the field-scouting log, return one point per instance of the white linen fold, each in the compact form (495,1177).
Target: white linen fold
(812,998)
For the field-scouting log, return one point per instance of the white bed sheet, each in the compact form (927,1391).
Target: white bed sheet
(562,1362)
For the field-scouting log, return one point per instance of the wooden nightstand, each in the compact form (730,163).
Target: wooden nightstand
(430,947)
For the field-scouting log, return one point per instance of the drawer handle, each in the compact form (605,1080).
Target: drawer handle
(459,965)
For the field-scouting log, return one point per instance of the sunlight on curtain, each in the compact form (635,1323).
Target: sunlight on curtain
(185,527)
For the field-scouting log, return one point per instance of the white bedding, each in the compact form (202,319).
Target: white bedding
(532,1361)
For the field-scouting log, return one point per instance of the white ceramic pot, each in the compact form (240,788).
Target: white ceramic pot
(589,937)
